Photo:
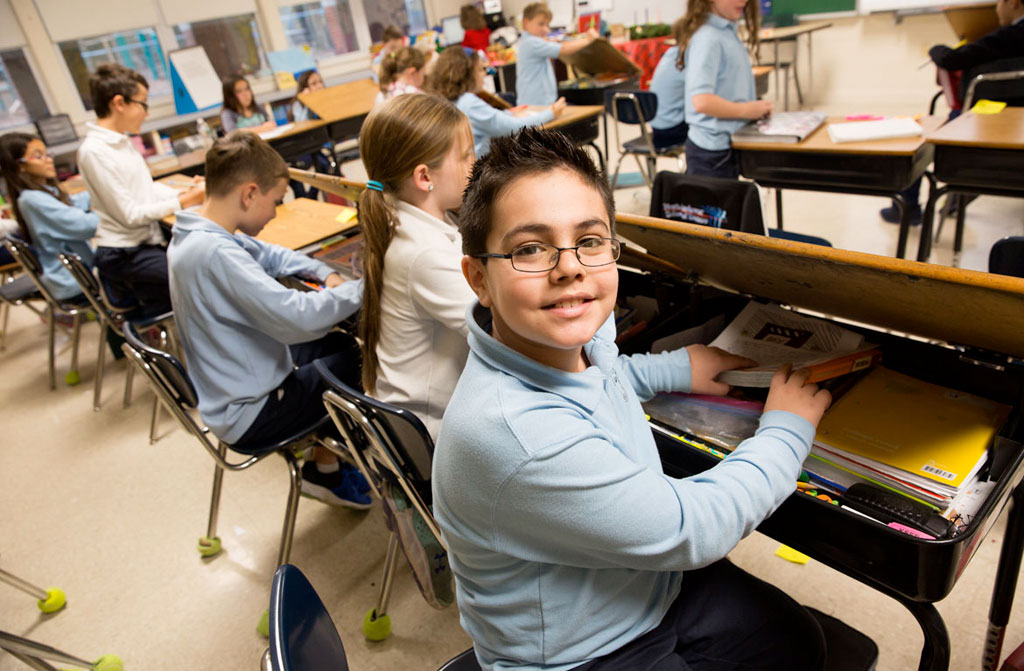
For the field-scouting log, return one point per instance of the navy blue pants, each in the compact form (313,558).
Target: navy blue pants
(724,620)
(139,272)
(664,138)
(711,163)
(297,404)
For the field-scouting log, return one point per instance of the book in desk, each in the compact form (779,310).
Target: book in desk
(959,319)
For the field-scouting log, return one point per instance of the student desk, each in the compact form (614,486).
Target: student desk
(980,315)
(299,140)
(343,107)
(580,123)
(775,36)
(975,153)
(302,222)
(875,168)
(191,163)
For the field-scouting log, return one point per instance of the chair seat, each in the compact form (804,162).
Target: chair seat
(21,289)
(848,649)
(639,146)
(142,317)
(319,425)
(464,661)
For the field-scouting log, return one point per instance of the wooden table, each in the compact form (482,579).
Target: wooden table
(792,34)
(191,163)
(975,153)
(343,107)
(302,222)
(581,124)
(969,22)
(875,168)
(300,140)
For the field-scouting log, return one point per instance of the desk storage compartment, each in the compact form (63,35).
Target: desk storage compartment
(672,299)
(808,168)
(982,167)
(303,143)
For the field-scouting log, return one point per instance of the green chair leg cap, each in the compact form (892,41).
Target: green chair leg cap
(108,663)
(54,601)
(376,628)
(208,547)
(263,627)
(72,377)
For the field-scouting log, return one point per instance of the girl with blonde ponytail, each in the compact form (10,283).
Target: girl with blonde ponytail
(418,152)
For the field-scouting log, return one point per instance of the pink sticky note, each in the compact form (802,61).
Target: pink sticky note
(909,531)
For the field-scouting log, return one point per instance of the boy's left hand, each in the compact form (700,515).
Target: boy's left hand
(705,365)
(334,279)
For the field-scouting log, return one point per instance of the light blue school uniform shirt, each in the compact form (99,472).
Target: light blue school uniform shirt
(487,122)
(669,84)
(716,62)
(566,538)
(535,76)
(236,320)
(57,227)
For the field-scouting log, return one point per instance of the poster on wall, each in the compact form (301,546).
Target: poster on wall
(195,83)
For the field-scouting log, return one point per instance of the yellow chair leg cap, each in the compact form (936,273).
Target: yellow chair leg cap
(263,627)
(208,547)
(72,377)
(54,601)
(108,663)
(376,628)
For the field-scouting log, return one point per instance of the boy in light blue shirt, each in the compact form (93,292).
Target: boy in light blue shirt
(535,76)
(250,342)
(571,548)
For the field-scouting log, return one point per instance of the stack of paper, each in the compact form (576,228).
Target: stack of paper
(788,127)
(860,131)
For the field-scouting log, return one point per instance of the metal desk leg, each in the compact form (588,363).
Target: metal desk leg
(958,238)
(901,244)
(796,72)
(935,651)
(600,159)
(1006,581)
(778,209)
(604,126)
(924,249)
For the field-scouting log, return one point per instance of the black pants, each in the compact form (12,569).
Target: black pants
(664,138)
(711,163)
(139,272)
(296,404)
(724,620)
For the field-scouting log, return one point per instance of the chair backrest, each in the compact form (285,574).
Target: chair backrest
(167,375)
(1007,256)
(631,107)
(86,282)
(710,201)
(302,635)
(1001,80)
(26,256)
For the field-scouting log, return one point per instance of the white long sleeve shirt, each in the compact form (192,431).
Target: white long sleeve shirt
(129,202)
(422,347)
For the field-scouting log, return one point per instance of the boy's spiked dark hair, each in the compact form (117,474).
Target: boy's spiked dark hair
(528,152)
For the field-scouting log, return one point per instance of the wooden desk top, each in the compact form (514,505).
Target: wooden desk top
(303,221)
(820,142)
(178,163)
(790,32)
(573,113)
(762,70)
(969,22)
(990,131)
(343,101)
(295,128)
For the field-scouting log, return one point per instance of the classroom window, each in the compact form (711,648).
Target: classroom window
(408,15)
(136,49)
(232,43)
(326,27)
(21,101)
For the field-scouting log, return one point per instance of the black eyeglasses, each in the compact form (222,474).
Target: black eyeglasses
(540,258)
(145,105)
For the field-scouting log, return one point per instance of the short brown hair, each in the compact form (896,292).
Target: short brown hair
(392,32)
(528,152)
(111,80)
(471,18)
(535,9)
(242,157)
(454,73)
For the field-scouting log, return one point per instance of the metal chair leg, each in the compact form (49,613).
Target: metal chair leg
(390,565)
(101,361)
(210,545)
(5,311)
(292,507)
(51,319)
(128,377)
(154,420)
(76,330)
(28,648)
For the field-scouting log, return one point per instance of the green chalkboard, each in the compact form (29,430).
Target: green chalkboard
(812,6)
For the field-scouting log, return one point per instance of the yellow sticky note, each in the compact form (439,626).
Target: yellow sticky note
(988,107)
(285,80)
(789,554)
(345,215)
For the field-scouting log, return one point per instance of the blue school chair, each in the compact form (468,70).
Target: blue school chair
(393,450)
(636,108)
(1007,256)
(15,290)
(171,383)
(26,257)
(302,634)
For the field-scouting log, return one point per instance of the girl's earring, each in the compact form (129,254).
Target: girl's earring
(430,187)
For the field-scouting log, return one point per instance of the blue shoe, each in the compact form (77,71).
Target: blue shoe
(891,215)
(336,489)
(356,477)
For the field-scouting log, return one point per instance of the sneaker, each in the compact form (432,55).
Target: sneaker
(891,215)
(356,477)
(336,489)
(426,556)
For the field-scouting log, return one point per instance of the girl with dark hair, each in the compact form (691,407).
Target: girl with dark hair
(240,108)
(309,81)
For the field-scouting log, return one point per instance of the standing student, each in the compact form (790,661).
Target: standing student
(250,342)
(129,243)
(402,72)
(476,35)
(720,94)
(547,483)
(309,81)
(535,76)
(669,83)
(459,76)
(240,108)
(414,313)
(50,219)
(393,39)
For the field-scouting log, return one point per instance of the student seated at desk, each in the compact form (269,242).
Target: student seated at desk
(129,242)
(250,342)
(1007,41)
(669,84)
(459,76)
(240,109)
(309,81)
(547,484)
(393,39)
(401,72)
(720,93)
(414,314)
(535,76)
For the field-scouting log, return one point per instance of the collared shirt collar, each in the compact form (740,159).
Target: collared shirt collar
(584,388)
(1017,20)
(107,135)
(186,222)
(722,22)
(443,226)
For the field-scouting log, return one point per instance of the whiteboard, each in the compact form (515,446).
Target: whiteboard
(868,6)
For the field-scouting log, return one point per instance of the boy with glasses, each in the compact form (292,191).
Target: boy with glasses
(571,548)
(130,251)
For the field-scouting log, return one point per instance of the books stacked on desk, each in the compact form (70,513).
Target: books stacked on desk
(788,127)
(922,440)
(883,129)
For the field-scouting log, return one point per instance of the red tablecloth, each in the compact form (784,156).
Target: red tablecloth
(646,53)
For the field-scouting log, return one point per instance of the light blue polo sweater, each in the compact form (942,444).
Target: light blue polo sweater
(57,227)
(236,320)
(535,76)
(487,122)
(566,539)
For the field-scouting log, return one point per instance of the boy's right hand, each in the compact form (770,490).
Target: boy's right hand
(192,196)
(759,109)
(791,392)
(558,107)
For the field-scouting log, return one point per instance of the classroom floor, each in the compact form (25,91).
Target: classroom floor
(88,505)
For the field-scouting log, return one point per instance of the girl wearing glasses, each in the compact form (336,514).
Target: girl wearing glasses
(240,108)
(48,218)
(418,152)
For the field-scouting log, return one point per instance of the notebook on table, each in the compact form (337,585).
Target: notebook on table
(789,127)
